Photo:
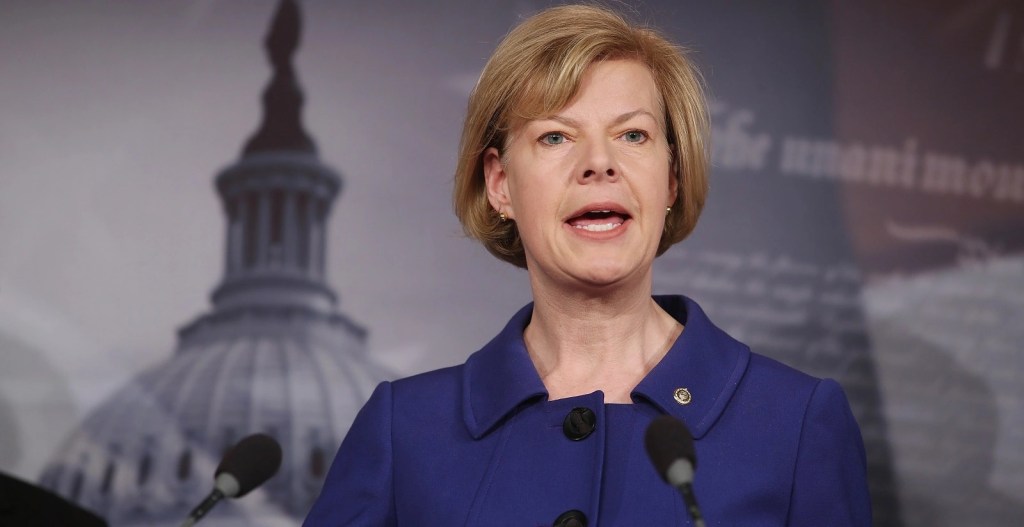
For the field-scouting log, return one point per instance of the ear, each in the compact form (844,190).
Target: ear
(673,181)
(496,180)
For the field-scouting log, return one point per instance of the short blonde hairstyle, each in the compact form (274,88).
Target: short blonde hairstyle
(536,71)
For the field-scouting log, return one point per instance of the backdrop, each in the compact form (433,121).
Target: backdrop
(865,222)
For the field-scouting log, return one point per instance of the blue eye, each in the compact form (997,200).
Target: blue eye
(635,136)
(554,138)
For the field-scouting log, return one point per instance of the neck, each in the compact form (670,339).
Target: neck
(582,341)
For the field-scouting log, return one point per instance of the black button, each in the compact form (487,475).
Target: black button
(579,424)
(573,518)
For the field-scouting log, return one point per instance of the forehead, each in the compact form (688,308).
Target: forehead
(607,87)
(616,85)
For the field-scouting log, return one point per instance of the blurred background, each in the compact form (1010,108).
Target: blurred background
(182,264)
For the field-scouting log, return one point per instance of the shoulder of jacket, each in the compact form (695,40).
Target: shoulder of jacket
(780,377)
(439,381)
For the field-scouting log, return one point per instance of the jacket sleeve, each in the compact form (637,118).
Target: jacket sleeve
(830,480)
(359,488)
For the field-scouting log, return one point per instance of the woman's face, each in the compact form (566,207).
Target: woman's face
(588,186)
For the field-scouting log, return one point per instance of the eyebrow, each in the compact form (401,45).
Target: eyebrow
(568,121)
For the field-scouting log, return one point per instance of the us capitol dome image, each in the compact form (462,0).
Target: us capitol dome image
(273,355)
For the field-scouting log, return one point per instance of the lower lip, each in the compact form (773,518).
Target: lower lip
(600,235)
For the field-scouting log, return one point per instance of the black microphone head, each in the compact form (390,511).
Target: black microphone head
(667,440)
(251,461)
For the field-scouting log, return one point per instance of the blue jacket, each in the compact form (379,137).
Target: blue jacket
(480,445)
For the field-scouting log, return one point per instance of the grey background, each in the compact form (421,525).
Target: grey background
(117,114)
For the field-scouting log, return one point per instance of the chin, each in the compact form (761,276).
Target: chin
(607,274)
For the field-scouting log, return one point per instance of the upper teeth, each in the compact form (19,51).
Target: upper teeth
(598,227)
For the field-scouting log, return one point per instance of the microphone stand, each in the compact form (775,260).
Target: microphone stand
(203,508)
(690,501)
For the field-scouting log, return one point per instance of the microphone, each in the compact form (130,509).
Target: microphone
(245,466)
(670,446)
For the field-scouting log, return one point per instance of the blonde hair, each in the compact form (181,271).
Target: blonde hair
(536,71)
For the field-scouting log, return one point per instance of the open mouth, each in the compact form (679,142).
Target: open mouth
(598,220)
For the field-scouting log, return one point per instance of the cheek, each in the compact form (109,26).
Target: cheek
(535,189)
(654,177)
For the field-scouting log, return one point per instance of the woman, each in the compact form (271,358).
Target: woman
(583,157)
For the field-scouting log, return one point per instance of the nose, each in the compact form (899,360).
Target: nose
(610,172)
(597,161)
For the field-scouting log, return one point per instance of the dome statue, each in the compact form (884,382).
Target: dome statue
(273,355)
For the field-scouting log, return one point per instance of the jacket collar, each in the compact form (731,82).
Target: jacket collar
(500,377)
(704,360)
